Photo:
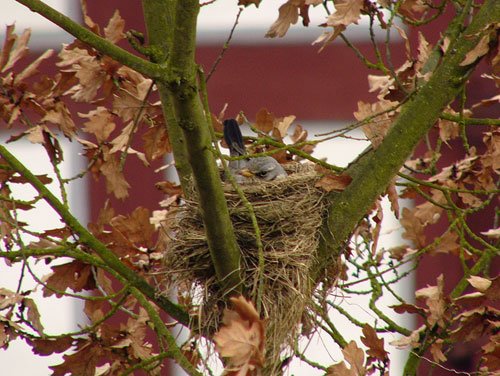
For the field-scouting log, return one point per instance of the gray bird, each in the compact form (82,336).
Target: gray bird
(265,168)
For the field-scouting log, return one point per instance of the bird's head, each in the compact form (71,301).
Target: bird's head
(265,168)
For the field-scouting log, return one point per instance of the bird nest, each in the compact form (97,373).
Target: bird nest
(289,213)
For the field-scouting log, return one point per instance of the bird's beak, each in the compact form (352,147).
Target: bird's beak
(246,172)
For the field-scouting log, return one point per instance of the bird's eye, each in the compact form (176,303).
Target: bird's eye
(261,174)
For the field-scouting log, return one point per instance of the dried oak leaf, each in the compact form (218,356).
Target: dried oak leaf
(74,275)
(136,227)
(491,354)
(114,30)
(381,119)
(9,298)
(435,301)
(474,323)
(100,123)
(374,343)
(413,228)
(346,12)
(82,363)
(156,142)
(47,347)
(331,182)
(448,130)
(392,195)
(288,15)
(241,339)
(436,350)
(58,114)
(14,48)
(32,68)
(246,3)
(355,357)
(33,315)
(479,50)
(479,283)
(409,8)
(115,181)
(264,120)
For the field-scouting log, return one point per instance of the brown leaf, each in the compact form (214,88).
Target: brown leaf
(434,299)
(479,283)
(14,48)
(241,338)
(377,218)
(33,315)
(479,50)
(8,42)
(95,309)
(169,188)
(436,350)
(492,233)
(32,68)
(414,230)
(448,130)
(470,200)
(449,243)
(86,18)
(35,134)
(114,30)
(424,50)
(288,15)
(408,308)
(299,134)
(100,123)
(75,275)
(9,298)
(375,345)
(355,356)
(410,7)
(217,124)
(392,195)
(283,124)
(329,36)
(136,227)
(472,324)
(331,182)
(346,12)
(129,102)
(380,120)
(156,142)
(45,347)
(264,121)
(115,181)
(81,363)
(249,2)
(59,115)
(340,369)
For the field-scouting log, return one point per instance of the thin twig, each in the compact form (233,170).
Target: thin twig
(225,47)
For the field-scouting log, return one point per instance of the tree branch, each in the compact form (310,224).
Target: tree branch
(102,45)
(376,168)
(85,237)
(180,98)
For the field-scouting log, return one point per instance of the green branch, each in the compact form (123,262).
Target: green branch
(374,170)
(102,45)
(85,237)
(182,86)
(470,121)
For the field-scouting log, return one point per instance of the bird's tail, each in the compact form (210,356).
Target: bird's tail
(233,137)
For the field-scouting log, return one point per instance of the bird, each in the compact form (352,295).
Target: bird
(263,168)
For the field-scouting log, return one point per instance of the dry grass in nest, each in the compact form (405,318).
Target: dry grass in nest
(289,213)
